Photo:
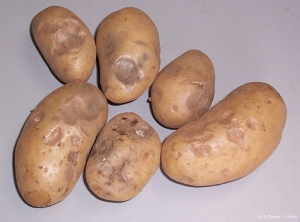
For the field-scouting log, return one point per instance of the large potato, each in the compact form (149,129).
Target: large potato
(128,49)
(183,90)
(54,143)
(65,42)
(230,140)
(123,159)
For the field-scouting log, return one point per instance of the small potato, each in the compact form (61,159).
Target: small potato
(123,159)
(53,146)
(128,49)
(230,140)
(183,90)
(65,42)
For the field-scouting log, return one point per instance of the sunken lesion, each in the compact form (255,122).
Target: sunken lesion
(133,128)
(67,36)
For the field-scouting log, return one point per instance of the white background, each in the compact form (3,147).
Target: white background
(246,40)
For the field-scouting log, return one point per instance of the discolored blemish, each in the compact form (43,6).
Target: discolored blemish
(202,150)
(85,128)
(187,180)
(53,137)
(55,118)
(93,108)
(38,198)
(204,137)
(70,174)
(68,38)
(158,93)
(225,116)
(71,110)
(110,42)
(251,123)
(37,117)
(197,104)
(66,192)
(263,127)
(236,135)
(140,42)
(174,108)
(75,140)
(205,150)
(126,71)
(225,172)
(133,128)
(268,101)
(73,157)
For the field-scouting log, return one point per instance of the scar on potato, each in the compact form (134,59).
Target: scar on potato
(225,172)
(70,174)
(110,43)
(93,108)
(39,198)
(133,128)
(53,137)
(37,117)
(68,38)
(236,135)
(252,123)
(196,104)
(187,180)
(225,116)
(202,150)
(126,71)
(73,157)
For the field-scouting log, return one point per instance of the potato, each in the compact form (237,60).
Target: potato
(65,42)
(123,159)
(183,90)
(54,143)
(230,140)
(128,49)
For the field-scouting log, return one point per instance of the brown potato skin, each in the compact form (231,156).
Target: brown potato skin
(65,42)
(230,140)
(51,151)
(128,49)
(123,159)
(183,90)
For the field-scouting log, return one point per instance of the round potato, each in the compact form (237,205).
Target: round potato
(230,140)
(128,49)
(54,143)
(123,159)
(65,42)
(183,90)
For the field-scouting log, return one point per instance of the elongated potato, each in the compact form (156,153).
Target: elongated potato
(123,159)
(128,49)
(230,140)
(65,42)
(53,146)
(183,90)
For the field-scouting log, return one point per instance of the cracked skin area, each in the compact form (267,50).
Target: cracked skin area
(65,42)
(53,146)
(230,140)
(123,159)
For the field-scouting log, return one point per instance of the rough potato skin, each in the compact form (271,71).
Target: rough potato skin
(123,159)
(128,49)
(65,42)
(183,90)
(51,151)
(230,140)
